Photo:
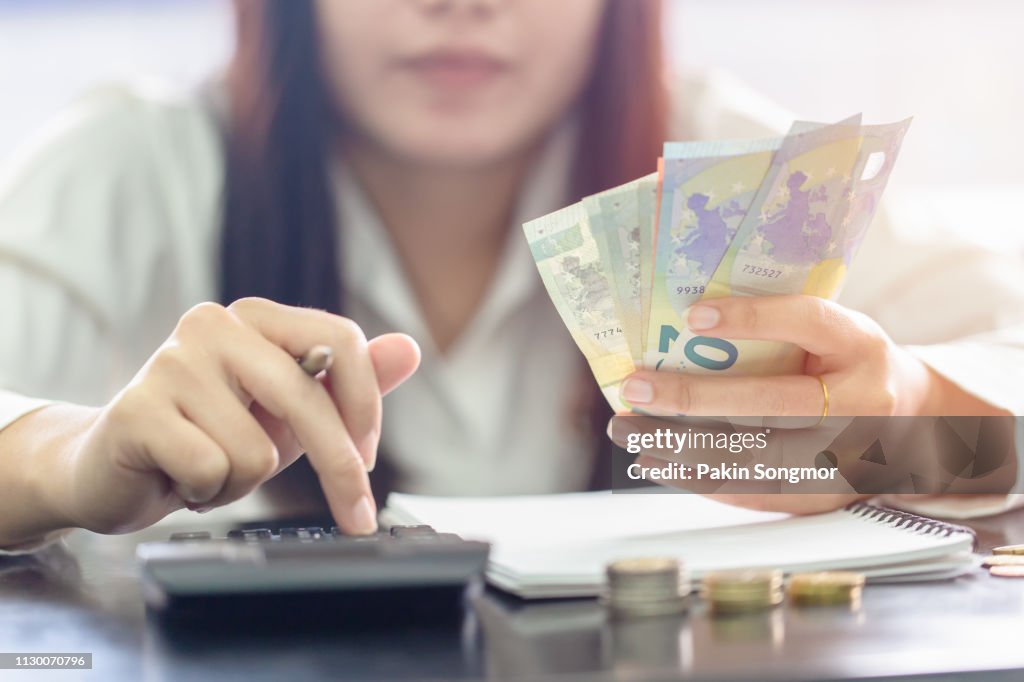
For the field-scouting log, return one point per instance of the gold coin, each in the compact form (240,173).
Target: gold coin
(742,579)
(826,580)
(742,590)
(1007,571)
(1009,549)
(1003,560)
(826,587)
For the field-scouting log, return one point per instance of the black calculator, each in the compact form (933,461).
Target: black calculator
(307,559)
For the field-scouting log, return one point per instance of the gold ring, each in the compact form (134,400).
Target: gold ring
(824,391)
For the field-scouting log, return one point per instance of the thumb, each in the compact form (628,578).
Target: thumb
(395,357)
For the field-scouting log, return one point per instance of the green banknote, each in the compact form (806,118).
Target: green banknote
(648,189)
(615,222)
(582,288)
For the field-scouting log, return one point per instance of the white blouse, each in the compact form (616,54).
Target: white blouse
(109,232)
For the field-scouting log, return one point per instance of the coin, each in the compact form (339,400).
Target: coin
(1009,549)
(643,565)
(640,587)
(826,587)
(742,590)
(1007,571)
(1003,560)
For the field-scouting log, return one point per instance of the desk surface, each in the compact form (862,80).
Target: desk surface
(91,602)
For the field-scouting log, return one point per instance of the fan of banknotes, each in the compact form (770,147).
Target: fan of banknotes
(725,218)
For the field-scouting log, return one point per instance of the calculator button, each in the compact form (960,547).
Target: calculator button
(308,533)
(413,532)
(195,535)
(250,535)
(337,532)
(340,535)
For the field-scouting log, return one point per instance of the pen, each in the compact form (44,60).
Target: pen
(317,359)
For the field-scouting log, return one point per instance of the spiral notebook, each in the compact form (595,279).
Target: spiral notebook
(557,545)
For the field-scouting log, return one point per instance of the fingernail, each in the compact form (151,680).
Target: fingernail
(619,429)
(702,317)
(363,516)
(191,498)
(198,507)
(368,450)
(638,391)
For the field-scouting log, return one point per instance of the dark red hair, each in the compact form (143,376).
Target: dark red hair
(279,232)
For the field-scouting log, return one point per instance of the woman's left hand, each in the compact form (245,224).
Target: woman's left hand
(865,372)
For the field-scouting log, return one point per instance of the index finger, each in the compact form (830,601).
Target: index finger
(815,324)
(353,384)
(272,378)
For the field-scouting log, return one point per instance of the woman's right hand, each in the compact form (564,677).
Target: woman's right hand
(223,406)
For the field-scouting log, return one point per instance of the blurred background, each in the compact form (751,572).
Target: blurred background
(952,64)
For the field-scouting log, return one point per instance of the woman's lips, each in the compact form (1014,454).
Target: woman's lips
(453,70)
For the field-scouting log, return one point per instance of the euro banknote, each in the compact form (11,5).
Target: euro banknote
(581,286)
(614,219)
(810,213)
(648,191)
(707,189)
(800,235)
(720,218)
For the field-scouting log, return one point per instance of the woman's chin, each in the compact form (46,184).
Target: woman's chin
(456,154)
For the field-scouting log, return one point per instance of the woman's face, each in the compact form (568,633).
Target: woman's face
(456,83)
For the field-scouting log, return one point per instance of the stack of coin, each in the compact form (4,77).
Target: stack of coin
(1006,562)
(1007,571)
(1003,560)
(647,587)
(1009,550)
(826,588)
(745,590)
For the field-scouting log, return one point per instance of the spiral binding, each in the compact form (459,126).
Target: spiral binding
(908,521)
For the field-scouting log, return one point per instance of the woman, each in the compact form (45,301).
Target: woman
(374,160)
